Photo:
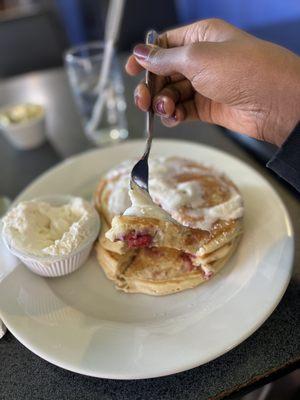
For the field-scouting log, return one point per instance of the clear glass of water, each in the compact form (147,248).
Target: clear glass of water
(83,64)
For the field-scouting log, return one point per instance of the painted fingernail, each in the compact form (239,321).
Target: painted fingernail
(173,117)
(142,51)
(136,99)
(160,107)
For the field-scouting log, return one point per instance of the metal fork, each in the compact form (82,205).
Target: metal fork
(140,172)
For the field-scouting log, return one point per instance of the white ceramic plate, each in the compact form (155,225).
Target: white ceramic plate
(81,323)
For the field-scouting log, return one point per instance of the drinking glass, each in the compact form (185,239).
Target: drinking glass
(83,64)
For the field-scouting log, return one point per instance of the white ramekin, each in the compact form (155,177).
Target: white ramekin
(26,135)
(53,266)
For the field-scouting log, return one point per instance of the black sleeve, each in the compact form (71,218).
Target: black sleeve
(286,161)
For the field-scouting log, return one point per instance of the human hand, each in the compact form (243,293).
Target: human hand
(214,72)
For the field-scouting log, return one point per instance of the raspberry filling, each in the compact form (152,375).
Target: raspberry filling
(137,240)
(187,262)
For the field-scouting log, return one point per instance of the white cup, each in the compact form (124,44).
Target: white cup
(27,134)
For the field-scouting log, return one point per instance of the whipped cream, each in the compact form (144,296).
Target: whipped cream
(169,195)
(38,228)
(142,205)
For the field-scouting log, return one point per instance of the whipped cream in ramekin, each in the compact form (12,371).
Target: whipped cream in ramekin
(52,235)
(41,229)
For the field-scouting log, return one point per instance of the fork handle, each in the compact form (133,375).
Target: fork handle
(151,38)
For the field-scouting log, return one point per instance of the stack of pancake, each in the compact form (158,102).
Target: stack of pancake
(175,240)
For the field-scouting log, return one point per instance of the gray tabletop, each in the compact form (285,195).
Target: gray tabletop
(273,348)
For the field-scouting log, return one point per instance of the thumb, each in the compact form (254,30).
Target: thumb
(161,61)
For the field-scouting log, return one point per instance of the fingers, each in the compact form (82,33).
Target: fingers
(210,30)
(196,107)
(161,61)
(185,111)
(132,67)
(142,97)
(198,62)
(199,108)
(164,103)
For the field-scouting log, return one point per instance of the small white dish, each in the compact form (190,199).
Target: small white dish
(82,323)
(54,266)
(24,133)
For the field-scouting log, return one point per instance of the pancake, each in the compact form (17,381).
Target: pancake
(113,264)
(116,246)
(167,272)
(204,207)
(194,220)
(159,271)
(129,232)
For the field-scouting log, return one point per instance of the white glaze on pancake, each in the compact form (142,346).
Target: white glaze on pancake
(175,186)
(142,205)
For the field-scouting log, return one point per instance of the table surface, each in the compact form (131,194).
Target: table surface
(273,348)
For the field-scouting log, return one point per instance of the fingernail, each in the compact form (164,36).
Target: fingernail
(173,117)
(142,51)
(136,99)
(160,107)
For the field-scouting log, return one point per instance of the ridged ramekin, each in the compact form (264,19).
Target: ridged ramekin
(53,266)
